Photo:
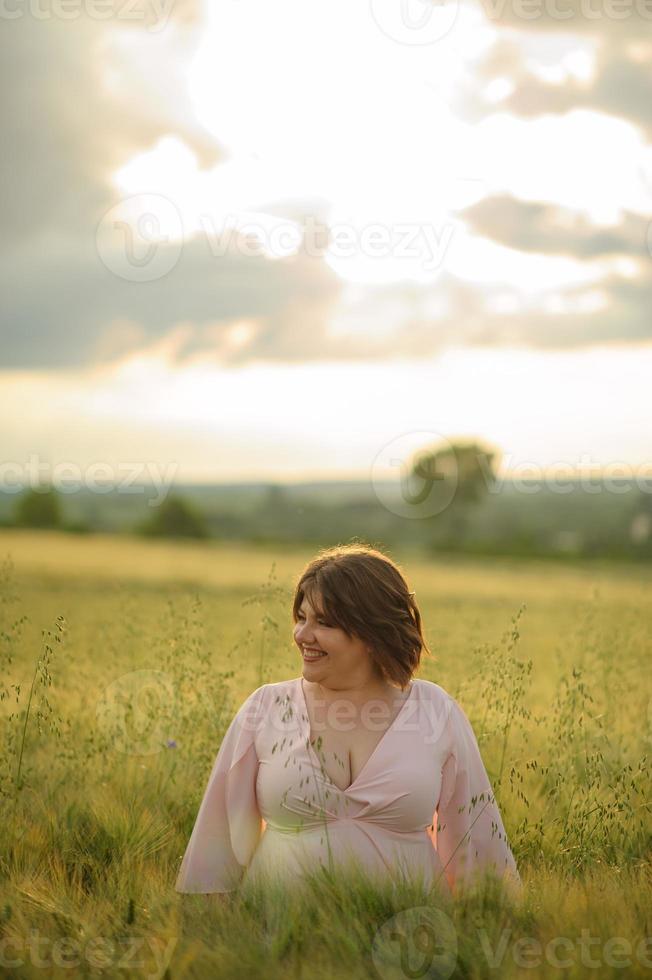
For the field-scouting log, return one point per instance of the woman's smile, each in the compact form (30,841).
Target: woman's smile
(311,655)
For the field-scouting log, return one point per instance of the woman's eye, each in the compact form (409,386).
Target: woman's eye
(320,621)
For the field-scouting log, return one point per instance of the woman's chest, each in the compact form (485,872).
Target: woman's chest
(375,758)
(343,755)
(391,778)
(344,738)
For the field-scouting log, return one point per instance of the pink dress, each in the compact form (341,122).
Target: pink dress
(422,804)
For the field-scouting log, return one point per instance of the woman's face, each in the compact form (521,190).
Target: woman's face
(328,654)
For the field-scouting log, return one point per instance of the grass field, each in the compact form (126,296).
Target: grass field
(122,663)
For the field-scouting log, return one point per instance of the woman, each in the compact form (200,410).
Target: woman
(352,761)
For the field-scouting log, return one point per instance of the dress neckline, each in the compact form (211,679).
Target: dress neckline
(357,779)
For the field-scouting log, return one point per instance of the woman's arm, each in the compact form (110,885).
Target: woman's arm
(229,824)
(470,835)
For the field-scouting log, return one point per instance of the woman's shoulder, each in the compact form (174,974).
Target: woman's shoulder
(426,688)
(267,696)
(265,691)
(429,690)
(271,706)
(275,691)
(443,699)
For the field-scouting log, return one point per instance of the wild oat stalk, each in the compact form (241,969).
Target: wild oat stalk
(506,679)
(269,592)
(44,710)
(321,812)
(10,634)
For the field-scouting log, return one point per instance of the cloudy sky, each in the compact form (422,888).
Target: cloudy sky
(275,240)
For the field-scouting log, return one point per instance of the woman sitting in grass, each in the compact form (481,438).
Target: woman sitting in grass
(355,762)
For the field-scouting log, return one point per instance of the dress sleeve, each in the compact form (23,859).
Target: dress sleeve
(228,825)
(470,835)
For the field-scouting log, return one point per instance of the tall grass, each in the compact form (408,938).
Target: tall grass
(557,689)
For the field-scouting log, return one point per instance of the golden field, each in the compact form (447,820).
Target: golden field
(123,662)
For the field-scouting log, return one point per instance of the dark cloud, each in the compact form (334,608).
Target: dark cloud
(622,88)
(624,319)
(622,85)
(81,314)
(470,321)
(549,229)
(66,131)
(69,306)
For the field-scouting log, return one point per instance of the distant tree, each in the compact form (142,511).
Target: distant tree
(175,518)
(39,507)
(459,473)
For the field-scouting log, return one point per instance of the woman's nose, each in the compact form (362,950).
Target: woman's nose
(303,635)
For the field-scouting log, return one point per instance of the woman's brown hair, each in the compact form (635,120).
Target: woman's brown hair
(364,593)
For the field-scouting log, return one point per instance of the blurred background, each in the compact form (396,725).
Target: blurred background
(292,273)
